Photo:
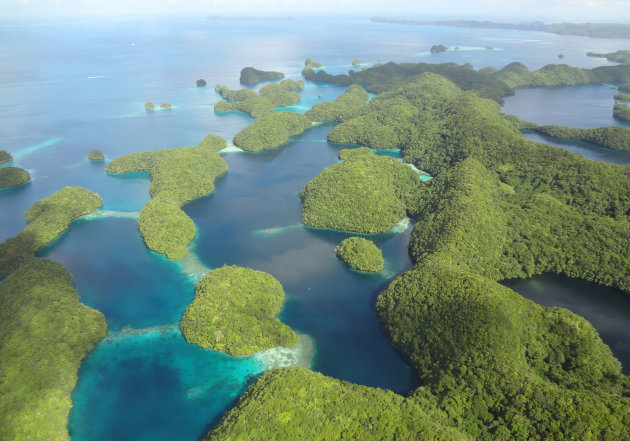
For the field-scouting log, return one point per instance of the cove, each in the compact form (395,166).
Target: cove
(607,309)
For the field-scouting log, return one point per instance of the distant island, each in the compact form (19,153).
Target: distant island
(437,48)
(12,176)
(96,155)
(201,82)
(250,75)
(621,56)
(5,157)
(595,30)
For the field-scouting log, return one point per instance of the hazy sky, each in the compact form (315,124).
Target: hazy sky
(515,10)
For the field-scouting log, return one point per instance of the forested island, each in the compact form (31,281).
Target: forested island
(616,138)
(12,176)
(250,75)
(621,111)
(595,30)
(235,310)
(5,157)
(360,254)
(271,131)
(262,103)
(96,155)
(620,56)
(177,176)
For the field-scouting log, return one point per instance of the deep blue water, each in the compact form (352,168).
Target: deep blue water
(68,88)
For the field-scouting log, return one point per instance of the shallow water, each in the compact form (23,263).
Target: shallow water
(607,309)
(68,88)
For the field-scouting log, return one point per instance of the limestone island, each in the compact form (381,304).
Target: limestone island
(360,254)
(621,111)
(5,157)
(234,311)
(625,87)
(356,62)
(262,103)
(178,176)
(364,194)
(271,131)
(12,176)
(621,56)
(51,331)
(201,82)
(96,155)
(166,106)
(149,106)
(622,96)
(437,48)
(348,105)
(616,138)
(249,75)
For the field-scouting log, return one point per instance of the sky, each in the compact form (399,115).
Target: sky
(512,10)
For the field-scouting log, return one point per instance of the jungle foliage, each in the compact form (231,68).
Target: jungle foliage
(622,96)
(620,56)
(363,194)
(96,155)
(360,254)
(271,131)
(621,111)
(11,176)
(235,310)
(5,156)
(249,75)
(348,105)
(262,103)
(177,176)
(616,138)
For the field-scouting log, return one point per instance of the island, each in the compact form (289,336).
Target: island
(5,157)
(356,62)
(360,254)
(271,131)
(149,106)
(595,30)
(201,82)
(178,176)
(234,311)
(96,155)
(616,138)
(51,331)
(622,96)
(363,194)
(620,111)
(621,56)
(437,48)
(625,87)
(166,106)
(262,103)
(350,104)
(249,75)
(12,176)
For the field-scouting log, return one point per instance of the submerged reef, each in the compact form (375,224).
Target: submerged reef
(178,175)
(249,75)
(271,131)
(363,194)
(46,331)
(12,176)
(234,311)
(360,254)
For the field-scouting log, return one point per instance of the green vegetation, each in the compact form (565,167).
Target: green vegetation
(11,176)
(5,156)
(165,106)
(177,176)
(360,254)
(437,48)
(363,194)
(312,64)
(45,331)
(234,311)
(96,155)
(201,82)
(617,138)
(625,87)
(595,30)
(620,56)
(356,62)
(48,218)
(622,96)
(621,111)
(271,131)
(298,404)
(560,56)
(350,104)
(256,105)
(149,106)
(249,75)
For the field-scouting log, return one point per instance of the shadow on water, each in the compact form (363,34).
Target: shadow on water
(607,309)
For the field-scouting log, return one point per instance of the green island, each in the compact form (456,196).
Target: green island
(356,62)
(45,330)
(96,155)
(621,56)
(235,310)
(166,106)
(262,103)
(12,176)
(595,30)
(348,105)
(363,194)
(625,87)
(622,97)
(616,138)
(360,254)
(271,131)
(149,106)
(201,82)
(249,75)
(5,157)
(178,176)
(437,48)
(497,366)
(620,111)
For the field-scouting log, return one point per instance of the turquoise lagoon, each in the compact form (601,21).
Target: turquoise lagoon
(83,85)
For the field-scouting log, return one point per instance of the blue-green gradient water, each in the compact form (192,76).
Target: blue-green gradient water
(74,86)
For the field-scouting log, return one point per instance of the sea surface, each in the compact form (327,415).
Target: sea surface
(70,86)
